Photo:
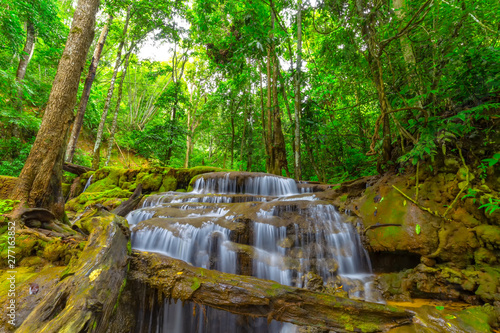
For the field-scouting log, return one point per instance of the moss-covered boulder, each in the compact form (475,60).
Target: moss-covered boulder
(110,186)
(475,285)
(489,236)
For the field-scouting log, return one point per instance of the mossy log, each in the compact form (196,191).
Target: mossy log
(85,298)
(129,205)
(251,296)
(76,169)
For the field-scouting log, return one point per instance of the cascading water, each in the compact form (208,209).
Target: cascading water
(289,235)
(87,184)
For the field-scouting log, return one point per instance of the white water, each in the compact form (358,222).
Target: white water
(258,185)
(321,243)
(87,184)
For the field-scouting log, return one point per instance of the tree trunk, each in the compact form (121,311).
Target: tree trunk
(26,55)
(100,130)
(84,300)
(245,123)
(188,140)
(251,296)
(269,124)
(298,100)
(385,109)
(278,143)
(77,125)
(117,109)
(39,184)
(408,55)
(232,139)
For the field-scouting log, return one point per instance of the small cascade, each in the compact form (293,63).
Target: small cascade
(255,224)
(204,247)
(87,184)
(243,183)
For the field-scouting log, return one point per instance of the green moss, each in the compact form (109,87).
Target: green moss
(477,319)
(369,327)
(55,251)
(343,198)
(485,256)
(6,186)
(169,183)
(489,236)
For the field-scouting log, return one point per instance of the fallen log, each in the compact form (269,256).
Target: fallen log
(129,205)
(381,225)
(84,299)
(246,295)
(76,169)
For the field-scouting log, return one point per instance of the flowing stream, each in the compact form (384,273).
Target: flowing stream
(253,224)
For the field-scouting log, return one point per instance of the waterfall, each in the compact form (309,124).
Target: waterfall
(89,181)
(290,234)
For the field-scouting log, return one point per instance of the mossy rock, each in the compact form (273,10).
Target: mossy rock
(489,236)
(110,198)
(169,183)
(151,182)
(393,208)
(6,186)
(485,257)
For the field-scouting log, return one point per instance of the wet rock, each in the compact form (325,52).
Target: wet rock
(489,236)
(313,282)
(38,215)
(428,261)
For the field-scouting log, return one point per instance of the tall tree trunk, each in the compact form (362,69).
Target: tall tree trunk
(375,63)
(176,76)
(279,147)
(26,55)
(298,100)
(269,124)
(232,140)
(385,109)
(408,55)
(245,123)
(77,125)
(111,139)
(39,184)
(100,130)
(249,144)
(188,140)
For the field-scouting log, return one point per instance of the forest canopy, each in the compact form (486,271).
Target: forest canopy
(325,90)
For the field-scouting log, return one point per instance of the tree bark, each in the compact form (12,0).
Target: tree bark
(111,139)
(408,55)
(77,125)
(269,124)
(251,296)
(298,100)
(278,143)
(26,55)
(39,184)
(188,140)
(84,300)
(100,130)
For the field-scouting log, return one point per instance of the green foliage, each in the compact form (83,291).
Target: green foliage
(6,206)
(154,141)
(492,161)
(471,193)
(13,154)
(492,205)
